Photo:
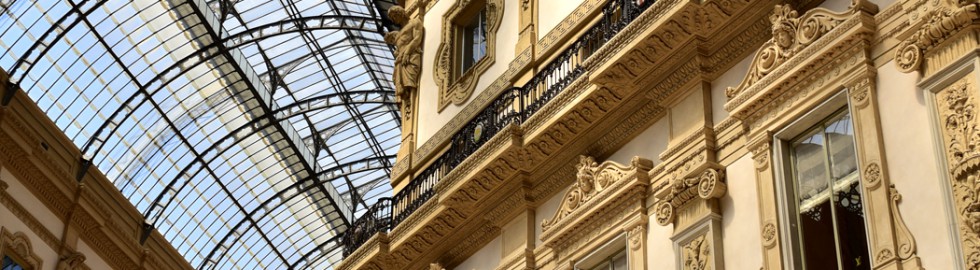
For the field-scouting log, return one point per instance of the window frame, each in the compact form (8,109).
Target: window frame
(476,17)
(456,84)
(615,247)
(785,179)
(17,246)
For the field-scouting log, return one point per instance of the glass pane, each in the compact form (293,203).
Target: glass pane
(620,262)
(840,137)
(10,264)
(848,207)
(813,194)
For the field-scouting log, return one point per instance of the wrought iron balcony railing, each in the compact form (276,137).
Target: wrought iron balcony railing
(514,105)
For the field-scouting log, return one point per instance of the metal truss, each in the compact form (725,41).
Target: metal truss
(197,107)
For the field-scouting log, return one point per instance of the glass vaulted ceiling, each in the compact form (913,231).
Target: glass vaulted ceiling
(248,133)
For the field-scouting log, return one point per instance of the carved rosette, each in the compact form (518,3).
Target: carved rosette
(872,176)
(790,34)
(769,232)
(708,185)
(591,180)
(943,22)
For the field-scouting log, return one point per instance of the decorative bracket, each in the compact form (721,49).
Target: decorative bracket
(708,185)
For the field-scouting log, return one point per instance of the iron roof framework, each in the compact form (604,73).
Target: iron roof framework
(249,133)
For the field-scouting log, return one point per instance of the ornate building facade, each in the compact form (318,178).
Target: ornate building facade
(730,134)
(613,134)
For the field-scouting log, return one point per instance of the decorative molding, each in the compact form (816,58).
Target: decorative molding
(942,22)
(592,180)
(710,184)
(790,35)
(459,89)
(906,243)
(18,246)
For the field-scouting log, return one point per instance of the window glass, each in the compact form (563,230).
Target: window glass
(474,41)
(10,264)
(828,196)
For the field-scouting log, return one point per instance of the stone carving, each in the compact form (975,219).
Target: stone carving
(697,254)
(943,21)
(708,185)
(872,176)
(71,261)
(957,107)
(790,34)
(457,88)
(19,246)
(961,128)
(408,61)
(636,237)
(592,179)
(906,244)
(769,234)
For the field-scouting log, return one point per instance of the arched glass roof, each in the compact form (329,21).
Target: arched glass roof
(248,133)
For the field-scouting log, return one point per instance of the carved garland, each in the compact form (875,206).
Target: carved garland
(943,22)
(592,179)
(790,34)
(458,90)
(710,184)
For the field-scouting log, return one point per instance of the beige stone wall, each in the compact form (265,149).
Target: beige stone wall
(552,12)
(11,223)
(431,119)
(911,149)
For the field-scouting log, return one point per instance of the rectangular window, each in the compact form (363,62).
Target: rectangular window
(474,45)
(826,197)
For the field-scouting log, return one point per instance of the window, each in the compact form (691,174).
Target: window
(617,261)
(611,256)
(826,202)
(10,264)
(474,45)
(466,49)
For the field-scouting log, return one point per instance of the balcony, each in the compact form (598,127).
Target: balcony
(529,128)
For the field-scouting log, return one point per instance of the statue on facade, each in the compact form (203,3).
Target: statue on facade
(408,52)
(408,66)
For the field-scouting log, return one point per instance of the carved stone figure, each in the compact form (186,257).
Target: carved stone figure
(696,254)
(408,63)
(408,50)
(71,261)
